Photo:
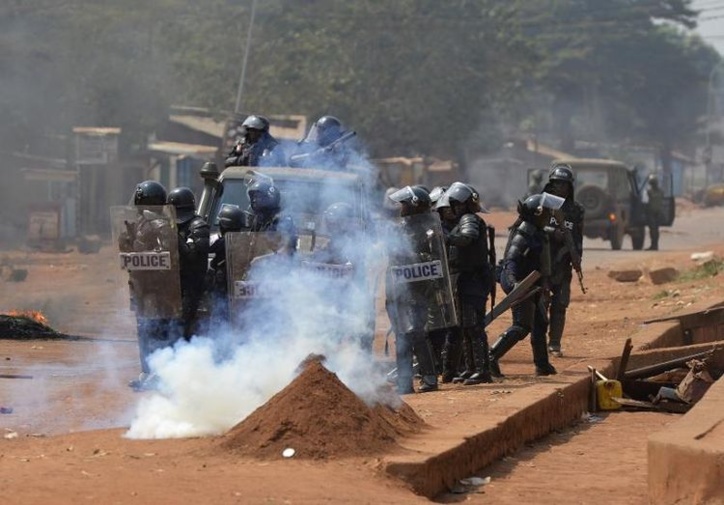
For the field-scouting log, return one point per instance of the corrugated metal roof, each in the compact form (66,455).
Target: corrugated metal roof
(180,149)
(296,130)
(93,130)
(202,124)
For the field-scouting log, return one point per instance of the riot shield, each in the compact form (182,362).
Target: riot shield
(147,240)
(243,251)
(418,269)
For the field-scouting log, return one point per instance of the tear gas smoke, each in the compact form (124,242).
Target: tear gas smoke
(214,381)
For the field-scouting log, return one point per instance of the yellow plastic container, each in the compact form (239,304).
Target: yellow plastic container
(605,390)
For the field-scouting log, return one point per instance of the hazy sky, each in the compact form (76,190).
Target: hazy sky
(711,22)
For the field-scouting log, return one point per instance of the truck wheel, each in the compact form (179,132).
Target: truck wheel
(616,237)
(593,199)
(637,239)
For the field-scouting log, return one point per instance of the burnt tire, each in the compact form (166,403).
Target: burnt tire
(593,199)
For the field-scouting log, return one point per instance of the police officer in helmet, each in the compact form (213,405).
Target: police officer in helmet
(318,149)
(257,147)
(231,219)
(193,245)
(470,266)
(528,249)
(561,183)
(151,231)
(411,300)
(265,212)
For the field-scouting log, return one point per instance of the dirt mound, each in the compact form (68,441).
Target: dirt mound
(319,417)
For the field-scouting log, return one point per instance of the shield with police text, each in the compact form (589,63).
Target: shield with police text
(247,253)
(147,240)
(418,269)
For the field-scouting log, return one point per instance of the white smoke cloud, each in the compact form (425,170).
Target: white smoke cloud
(213,382)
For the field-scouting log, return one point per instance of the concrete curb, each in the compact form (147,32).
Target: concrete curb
(466,449)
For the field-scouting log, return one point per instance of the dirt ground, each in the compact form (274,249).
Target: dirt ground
(64,440)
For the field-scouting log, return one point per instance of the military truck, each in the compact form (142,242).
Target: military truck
(610,192)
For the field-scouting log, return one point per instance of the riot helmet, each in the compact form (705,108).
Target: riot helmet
(539,208)
(560,180)
(462,199)
(437,193)
(231,218)
(149,193)
(338,218)
(184,201)
(325,130)
(255,127)
(264,197)
(414,200)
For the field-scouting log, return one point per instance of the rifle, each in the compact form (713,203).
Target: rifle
(520,292)
(575,257)
(344,138)
(493,261)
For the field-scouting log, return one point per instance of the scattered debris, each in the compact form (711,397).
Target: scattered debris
(663,275)
(632,275)
(288,452)
(6,410)
(702,257)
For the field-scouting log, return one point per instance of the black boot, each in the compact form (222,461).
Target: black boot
(423,351)
(543,367)
(482,358)
(506,341)
(451,354)
(555,330)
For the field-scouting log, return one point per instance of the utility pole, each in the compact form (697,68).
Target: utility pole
(240,91)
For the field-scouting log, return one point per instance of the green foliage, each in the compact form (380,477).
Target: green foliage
(708,269)
(412,76)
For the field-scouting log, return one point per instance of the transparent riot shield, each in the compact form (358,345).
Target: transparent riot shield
(147,240)
(244,251)
(418,270)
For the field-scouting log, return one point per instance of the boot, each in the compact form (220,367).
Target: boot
(555,331)
(403,358)
(423,351)
(543,367)
(506,341)
(452,354)
(482,359)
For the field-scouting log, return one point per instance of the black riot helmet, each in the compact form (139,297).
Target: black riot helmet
(461,197)
(538,208)
(256,123)
(264,197)
(255,127)
(414,200)
(325,130)
(149,193)
(561,172)
(437,193)
(231,218)
(338,218)
(184,201)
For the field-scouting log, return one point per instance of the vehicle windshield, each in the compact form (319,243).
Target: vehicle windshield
(591,176)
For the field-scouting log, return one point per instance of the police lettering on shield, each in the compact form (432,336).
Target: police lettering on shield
(146,261)
(417,272)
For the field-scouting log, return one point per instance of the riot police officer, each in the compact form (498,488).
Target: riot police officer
(193,246)
(470,263)
(231,219)
(528,249)
(323,146)
(560,183)
(411,300)
(151,231)
(257,147)
(264,213)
